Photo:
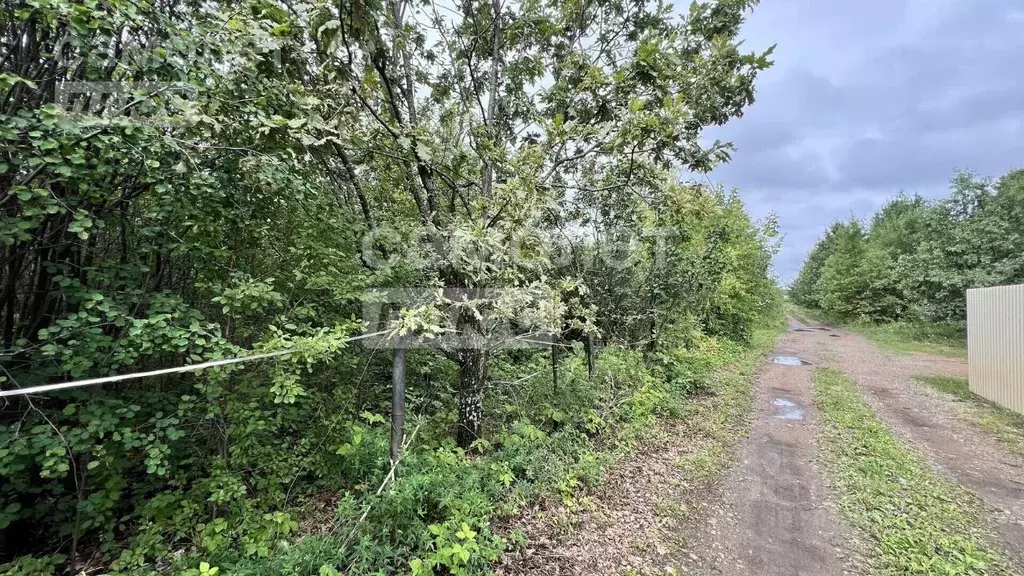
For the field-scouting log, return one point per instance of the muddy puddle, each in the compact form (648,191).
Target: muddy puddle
(790,361)
(786,409)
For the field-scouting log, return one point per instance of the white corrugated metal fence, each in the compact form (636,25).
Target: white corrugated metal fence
(995,344)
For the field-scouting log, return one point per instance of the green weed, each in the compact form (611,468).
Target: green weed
(553,442)
(906,338)
(949,385)
(920,522)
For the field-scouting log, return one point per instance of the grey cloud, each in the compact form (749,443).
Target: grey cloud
(870,98)
(779,169)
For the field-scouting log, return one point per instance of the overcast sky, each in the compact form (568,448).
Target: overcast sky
(871,97)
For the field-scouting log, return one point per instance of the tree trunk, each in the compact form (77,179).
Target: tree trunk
(472,377)
(590,356)
(397,401)
(652,335)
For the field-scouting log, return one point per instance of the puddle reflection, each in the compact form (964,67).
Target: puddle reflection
(790,361)
(787,409)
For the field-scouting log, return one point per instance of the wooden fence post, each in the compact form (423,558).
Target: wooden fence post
(397,400)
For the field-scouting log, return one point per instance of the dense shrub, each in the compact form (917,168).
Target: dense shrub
(184,182)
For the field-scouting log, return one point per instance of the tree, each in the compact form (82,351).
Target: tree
(895,234)
(184,182)
(806,290)
(510,111)
(842,281)
(918,258)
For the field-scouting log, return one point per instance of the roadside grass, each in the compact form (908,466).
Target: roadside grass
(1007,426)
(949,385)
(556,462)
(904,338)
(919,521)
(721,419)
(939,339)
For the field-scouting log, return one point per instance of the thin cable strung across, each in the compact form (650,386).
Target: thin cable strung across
(179,369)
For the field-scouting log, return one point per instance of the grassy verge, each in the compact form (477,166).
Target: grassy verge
(1004,424)
(899,337)
(903,338)
(724,417)
(920,522)
(682,458)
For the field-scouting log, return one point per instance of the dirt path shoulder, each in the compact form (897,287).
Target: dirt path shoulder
(648,517)
(931,424)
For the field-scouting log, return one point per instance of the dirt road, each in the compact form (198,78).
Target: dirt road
(932,425)
(776,516)
(774,513)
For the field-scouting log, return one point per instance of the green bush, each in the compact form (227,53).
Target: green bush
(439,512)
